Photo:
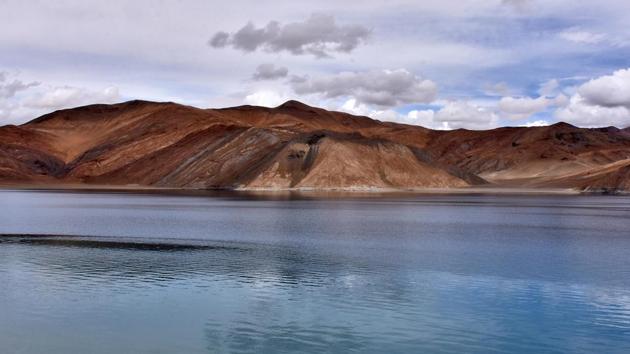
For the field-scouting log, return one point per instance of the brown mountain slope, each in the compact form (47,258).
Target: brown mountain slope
(608,178)
(296,146)
(170,145)
(27,155)
(516,156)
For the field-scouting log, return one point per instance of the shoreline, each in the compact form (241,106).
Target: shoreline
(501,190)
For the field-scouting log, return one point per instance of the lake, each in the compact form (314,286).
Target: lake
(308,273)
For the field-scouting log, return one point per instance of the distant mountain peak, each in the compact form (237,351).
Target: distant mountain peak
(563,125)
(294,104)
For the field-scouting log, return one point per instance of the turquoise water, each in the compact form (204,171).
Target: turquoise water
(138,273)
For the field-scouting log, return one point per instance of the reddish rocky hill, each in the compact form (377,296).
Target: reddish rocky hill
(298,146)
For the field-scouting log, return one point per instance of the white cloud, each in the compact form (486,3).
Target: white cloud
(582,113)
(9,88)
(353,107)
(20,101)
(523,107)
(536,123)
(266,98)
(382,88)
(453,115)
(577,35)
(68,96)
(600,102)
(423,118)
(388,115)
(461,114)
(608,91)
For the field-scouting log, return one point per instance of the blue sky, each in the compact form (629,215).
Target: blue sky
(473,64)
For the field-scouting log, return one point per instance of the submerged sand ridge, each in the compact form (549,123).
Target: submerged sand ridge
(295,146)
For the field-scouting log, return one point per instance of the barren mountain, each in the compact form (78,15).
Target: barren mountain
(298,146)
(537,156)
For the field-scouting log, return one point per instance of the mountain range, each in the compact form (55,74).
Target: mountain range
(164,144)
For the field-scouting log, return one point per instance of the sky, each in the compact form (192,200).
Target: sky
(474,64)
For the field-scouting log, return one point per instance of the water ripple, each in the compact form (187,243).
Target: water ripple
(476,275)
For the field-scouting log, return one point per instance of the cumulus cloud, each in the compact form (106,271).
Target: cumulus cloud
(577,35)
(382,88)
(353,107)
(523,107)
(270,72)
(600,102)
(266,98)
(460,114)
(68,96)
(580,112)
(318,35)
(608,91)
(425,118)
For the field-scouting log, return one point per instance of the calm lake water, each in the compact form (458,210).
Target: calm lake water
(139,273)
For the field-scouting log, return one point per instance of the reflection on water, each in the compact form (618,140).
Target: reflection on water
(468,274)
